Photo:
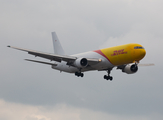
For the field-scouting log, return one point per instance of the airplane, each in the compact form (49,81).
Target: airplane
(124,57)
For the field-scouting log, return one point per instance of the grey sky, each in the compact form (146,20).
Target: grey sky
(41,93)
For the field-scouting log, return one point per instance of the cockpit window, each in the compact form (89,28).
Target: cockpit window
(138,47)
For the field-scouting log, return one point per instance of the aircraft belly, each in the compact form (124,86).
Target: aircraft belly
(65,68)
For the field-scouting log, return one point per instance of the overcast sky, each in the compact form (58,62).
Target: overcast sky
(32,91)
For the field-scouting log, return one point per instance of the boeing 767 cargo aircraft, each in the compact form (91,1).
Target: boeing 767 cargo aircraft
(124,57)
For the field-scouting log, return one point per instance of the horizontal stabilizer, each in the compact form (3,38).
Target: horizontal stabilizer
(41,62)
(149,64)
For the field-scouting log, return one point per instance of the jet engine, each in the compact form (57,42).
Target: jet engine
(81,62)
(130,68)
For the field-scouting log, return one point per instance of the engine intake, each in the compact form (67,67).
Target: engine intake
(81,62)
(130,68)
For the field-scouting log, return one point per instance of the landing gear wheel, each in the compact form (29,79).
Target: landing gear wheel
(79,74)
(111,78)
(105,76)
(108,77)
(76,73)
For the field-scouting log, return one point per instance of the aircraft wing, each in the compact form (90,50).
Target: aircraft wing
(54,57)
(51,57)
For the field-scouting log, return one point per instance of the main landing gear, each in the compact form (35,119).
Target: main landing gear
(108,77)
(79,74)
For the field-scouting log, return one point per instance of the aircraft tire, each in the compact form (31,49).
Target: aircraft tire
(108,77)
(105,77)
(111,78)
(81,74)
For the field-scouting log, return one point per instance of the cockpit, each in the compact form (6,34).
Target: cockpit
(138,47)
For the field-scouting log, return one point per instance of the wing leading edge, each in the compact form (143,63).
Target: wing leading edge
(53,57)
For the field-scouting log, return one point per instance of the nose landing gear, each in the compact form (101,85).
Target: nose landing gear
(108,77)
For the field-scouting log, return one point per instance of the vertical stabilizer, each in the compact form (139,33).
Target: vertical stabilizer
(56,44)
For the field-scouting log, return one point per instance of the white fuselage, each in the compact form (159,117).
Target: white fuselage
(104,64)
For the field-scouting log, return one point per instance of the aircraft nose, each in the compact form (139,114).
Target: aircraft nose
(143,53)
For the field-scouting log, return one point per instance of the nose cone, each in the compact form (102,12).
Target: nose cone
(142,53)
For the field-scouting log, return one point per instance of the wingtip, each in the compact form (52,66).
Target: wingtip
(8,46)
